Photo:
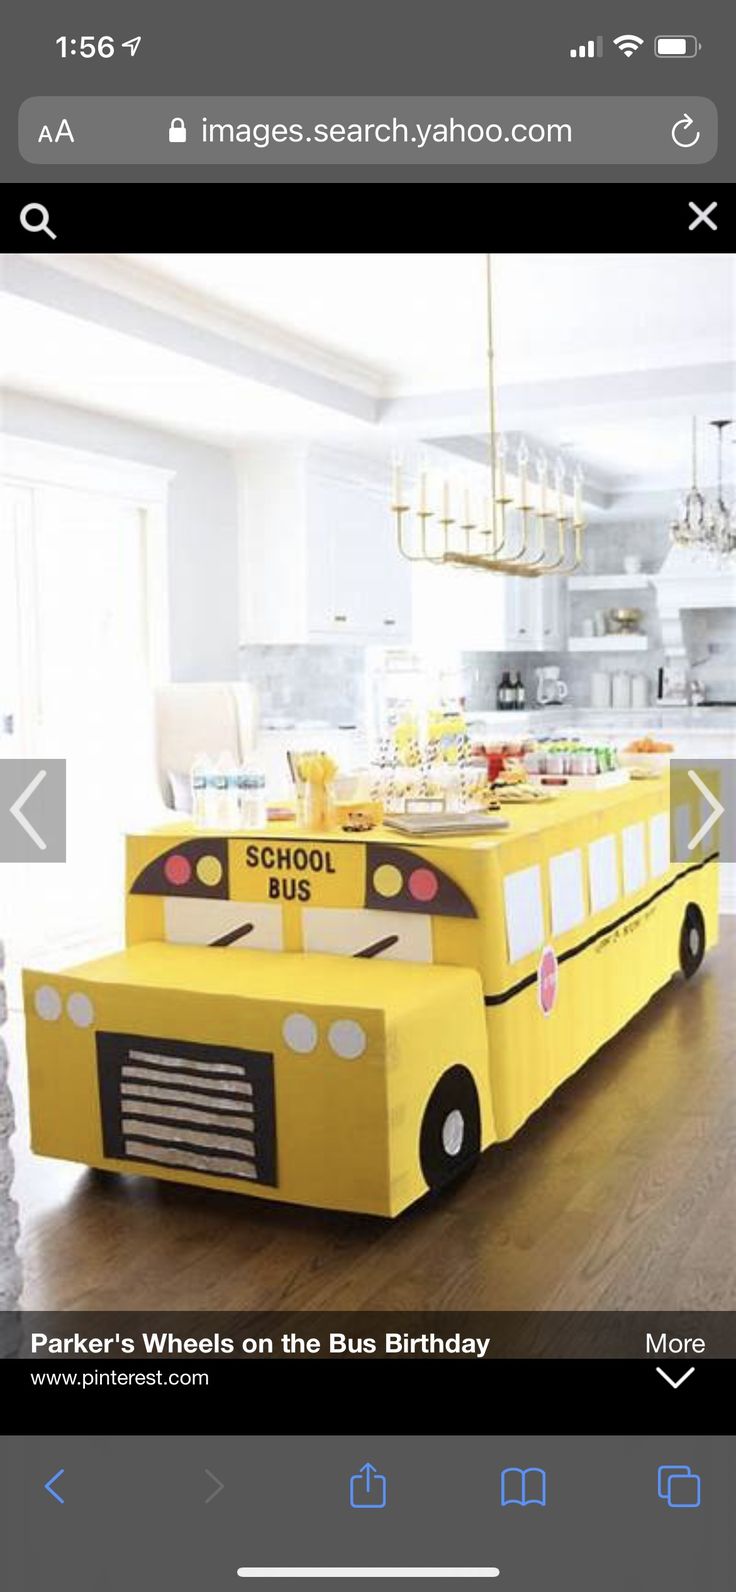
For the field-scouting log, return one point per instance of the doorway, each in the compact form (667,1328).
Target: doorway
(83,640)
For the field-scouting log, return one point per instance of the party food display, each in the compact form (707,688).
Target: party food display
(647,743)
(348,1020)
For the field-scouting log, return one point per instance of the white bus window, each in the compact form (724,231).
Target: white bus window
(238,925)
(635,866)
(683,832)
(603,873)
(351,931)
(659,844)
(524,915)
(567,892)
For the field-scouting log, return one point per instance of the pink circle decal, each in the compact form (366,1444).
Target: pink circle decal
(178,869)
(423,884)
(547,980)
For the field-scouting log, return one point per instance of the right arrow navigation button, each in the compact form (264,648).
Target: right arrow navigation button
(218,1488)
(702,793)
(717,809)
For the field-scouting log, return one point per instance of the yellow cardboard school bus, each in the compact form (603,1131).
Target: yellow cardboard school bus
(347,1022)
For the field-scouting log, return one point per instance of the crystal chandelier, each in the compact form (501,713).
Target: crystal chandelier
(708,524)
(537,529)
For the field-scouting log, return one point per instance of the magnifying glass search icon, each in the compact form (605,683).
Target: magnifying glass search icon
(41,225)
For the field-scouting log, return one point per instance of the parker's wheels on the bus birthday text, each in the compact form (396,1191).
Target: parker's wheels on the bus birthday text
(449,1142)
(692,940)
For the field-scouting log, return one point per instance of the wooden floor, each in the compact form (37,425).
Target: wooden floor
(620,1194)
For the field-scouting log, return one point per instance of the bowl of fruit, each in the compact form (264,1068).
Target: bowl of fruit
(645,757)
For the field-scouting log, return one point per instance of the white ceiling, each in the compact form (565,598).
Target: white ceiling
(57,355)
(418,320)
(606,355)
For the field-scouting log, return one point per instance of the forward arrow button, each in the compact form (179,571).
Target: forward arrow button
(219,1485)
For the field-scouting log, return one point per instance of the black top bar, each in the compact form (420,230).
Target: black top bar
(382,216)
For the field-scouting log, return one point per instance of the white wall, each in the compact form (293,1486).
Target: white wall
(203,523)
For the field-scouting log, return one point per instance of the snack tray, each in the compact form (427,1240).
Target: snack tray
(607,781)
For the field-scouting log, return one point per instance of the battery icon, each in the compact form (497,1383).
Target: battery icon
(676,45)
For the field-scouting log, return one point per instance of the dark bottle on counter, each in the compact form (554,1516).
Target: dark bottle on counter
(519,692)
(505,694)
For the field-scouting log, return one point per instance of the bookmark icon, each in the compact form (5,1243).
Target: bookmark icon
(523,1487)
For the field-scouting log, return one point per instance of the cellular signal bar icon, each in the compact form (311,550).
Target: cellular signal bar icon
(593,47)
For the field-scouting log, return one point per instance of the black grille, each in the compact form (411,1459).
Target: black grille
(200,1108)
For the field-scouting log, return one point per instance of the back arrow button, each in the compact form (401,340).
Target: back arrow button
(48,1487)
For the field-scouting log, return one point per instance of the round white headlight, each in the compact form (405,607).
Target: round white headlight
(347,1039)
(79,1007)
(300,1033)
(47,1003)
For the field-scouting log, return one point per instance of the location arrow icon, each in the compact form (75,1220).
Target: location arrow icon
(717,809)
(680,1379)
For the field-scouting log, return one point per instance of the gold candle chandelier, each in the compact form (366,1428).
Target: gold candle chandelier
(535,530)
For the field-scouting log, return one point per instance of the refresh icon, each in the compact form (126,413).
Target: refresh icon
(681,130)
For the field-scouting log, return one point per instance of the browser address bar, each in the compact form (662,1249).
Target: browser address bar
(375,130)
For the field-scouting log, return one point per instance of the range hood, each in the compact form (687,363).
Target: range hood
(690,580)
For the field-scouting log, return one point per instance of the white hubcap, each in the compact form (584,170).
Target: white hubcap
(453,1133)
(694,942)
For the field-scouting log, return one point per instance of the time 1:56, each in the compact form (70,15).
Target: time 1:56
(89,44)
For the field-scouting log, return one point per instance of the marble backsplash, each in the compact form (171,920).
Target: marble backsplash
(328,682)
(307,682)
(297,683)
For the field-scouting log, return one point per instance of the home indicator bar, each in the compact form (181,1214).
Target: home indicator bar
(369,1572)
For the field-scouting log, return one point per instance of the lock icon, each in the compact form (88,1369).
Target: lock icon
(177,131)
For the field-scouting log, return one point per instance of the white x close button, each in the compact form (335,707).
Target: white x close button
(703,215)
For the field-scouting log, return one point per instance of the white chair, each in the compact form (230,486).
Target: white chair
(210,717)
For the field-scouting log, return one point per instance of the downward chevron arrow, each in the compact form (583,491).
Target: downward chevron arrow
(680,1379)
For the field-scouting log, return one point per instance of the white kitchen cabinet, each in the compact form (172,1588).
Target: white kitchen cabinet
(535,613)
(319,560)
(358,584)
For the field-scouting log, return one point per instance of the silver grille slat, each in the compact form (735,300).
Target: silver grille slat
(209,1141)
(199,1163)
(146,1074)
(184,1061)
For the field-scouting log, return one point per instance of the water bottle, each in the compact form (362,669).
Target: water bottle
(223,792)
(199,776)
(251,798)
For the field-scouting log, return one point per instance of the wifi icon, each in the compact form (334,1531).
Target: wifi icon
(628,43)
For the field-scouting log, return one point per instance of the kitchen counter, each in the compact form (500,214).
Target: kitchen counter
(560,719)
(701,734)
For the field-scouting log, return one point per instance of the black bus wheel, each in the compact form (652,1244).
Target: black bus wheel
(449,1142)
(692,940)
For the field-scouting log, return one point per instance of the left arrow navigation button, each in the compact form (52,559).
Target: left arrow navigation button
(49,1487)
(32,809)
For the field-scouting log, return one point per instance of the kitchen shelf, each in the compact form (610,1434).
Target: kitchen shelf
(621,643)
(620,582)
